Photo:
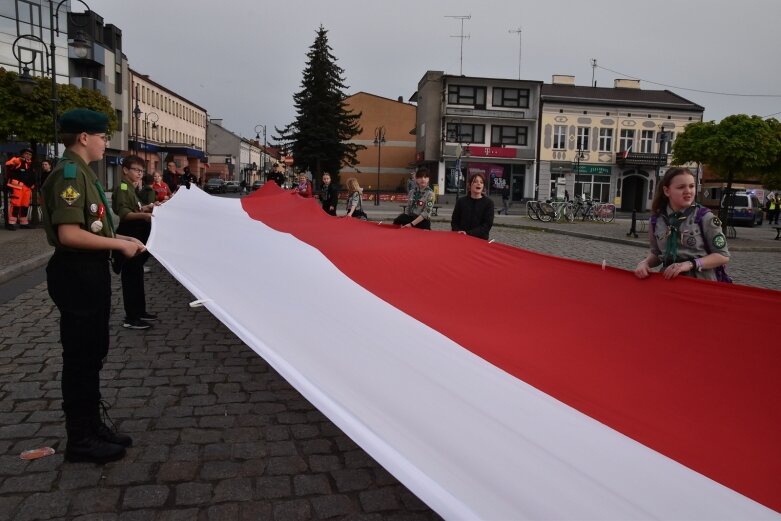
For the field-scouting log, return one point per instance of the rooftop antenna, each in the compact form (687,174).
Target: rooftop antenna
(518,32)
(462,37)
(593,71)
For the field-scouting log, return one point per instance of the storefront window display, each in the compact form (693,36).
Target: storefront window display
(594,187)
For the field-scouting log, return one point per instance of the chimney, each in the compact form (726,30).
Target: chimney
(622,83)
(563,79)
(400,99)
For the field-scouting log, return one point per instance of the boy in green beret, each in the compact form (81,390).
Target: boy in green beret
(78,224)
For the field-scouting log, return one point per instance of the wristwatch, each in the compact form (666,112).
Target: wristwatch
(694,265)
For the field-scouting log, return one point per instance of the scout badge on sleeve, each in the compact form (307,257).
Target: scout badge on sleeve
(70,195)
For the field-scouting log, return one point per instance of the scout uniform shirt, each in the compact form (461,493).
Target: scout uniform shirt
(72,194)
(421,202)
(693,241)
(125,200)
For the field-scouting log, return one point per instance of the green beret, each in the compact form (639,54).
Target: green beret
(83,120)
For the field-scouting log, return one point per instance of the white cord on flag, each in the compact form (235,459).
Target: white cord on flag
(199,303)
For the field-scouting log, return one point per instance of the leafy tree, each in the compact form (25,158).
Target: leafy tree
(738,147)
(318,138)
(29,118)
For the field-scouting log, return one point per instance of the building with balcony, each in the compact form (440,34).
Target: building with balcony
(386,164)
(466,125)
(608,144)
(166,127)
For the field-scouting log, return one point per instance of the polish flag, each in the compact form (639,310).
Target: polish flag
(625,153)
(494,382)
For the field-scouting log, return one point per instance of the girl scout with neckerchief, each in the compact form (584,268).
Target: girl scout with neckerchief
(678,243)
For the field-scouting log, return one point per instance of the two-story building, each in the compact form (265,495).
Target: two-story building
(608,144)
(467,125)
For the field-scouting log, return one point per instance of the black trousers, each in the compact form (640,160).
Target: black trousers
(79,283)
(133,294)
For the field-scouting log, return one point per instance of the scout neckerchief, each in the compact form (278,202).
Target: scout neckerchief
(674,239)
(105,204)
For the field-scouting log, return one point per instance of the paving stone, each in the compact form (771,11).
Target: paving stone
(228,512)
(277,433)
(212,470)
(306,485)
(44,505)
(193,494)
(382,499)
(317,446)
(8,505)
(22,430)
(238,489)
(217,422)
(273,487)
(217,451)
(324,463)
(185,452)
(178,515)
(37,482)
(411,501)
(171,422)
(129,473)
(291,417)
(11,465)
(348,480)
(201,436)
(295,510)
(304,431)
(145,496)
(356,459)
(255,511)
(281,448)
(333,505)
(155,453)
(178,471)
(95,500)
(79,476)
(285,465)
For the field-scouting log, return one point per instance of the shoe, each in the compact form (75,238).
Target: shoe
(93,449)
(147,269)
(149,317)
(10,227)
(25,226)
(136,323)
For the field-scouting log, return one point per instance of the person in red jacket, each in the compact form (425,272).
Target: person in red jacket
(304,188)
(20,181)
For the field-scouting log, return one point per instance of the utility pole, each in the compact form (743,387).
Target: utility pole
(518,32)
(462,37)
(593,71)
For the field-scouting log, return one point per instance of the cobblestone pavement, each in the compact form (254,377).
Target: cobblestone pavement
(218,434)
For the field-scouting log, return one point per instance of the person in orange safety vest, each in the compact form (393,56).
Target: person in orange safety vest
(20,181)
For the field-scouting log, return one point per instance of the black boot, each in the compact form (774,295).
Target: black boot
(85,445)
(107,431)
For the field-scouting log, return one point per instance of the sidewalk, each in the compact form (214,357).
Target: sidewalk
(25,250)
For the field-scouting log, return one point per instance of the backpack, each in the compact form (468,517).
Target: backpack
(721,271)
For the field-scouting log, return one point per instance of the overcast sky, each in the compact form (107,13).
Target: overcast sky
(242,60)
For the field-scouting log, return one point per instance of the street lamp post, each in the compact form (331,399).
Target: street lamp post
(258,128)
(579,155)
(153,117)
(26,83)
(379,139)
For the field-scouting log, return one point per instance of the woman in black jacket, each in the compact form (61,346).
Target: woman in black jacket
(474,213)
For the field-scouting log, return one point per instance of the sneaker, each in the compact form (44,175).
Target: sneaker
(136,324)
(25,227)
(149,317)
(147,269)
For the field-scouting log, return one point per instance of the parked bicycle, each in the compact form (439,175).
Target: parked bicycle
(550,210)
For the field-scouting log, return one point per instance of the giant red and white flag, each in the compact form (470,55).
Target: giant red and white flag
(494,382)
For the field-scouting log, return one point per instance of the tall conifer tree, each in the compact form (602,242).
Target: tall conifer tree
(318,138)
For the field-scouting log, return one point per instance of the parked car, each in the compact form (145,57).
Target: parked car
(215,185)
(232,186)
(257,184)
(744,208)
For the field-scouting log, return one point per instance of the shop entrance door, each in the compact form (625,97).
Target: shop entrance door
(518,187)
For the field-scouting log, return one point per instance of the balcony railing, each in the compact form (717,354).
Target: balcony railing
(640,159)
